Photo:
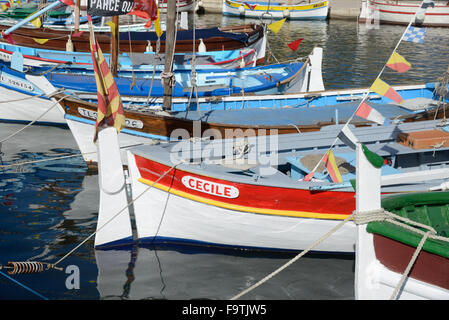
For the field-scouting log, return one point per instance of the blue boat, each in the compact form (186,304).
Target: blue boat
(133,62)
(270,79)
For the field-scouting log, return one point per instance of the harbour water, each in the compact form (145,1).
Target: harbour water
(49,207)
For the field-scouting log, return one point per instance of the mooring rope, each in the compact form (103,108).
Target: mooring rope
(271,275)
(383,215)
(115,215)
(23,286)
(32,122)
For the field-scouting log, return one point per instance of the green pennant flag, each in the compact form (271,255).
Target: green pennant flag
(376,160)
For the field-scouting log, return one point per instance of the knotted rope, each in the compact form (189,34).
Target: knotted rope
(383,215)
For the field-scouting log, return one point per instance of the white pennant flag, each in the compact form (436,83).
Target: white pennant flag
(347,137)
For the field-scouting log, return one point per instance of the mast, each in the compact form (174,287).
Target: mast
(115,45)
(77,15)
(167,76)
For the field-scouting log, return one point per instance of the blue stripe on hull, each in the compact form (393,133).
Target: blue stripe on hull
(118,243)
(190,242)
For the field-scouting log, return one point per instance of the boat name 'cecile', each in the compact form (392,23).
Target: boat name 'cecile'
(216,189)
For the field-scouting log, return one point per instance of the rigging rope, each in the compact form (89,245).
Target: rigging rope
(271,275)
(32,122)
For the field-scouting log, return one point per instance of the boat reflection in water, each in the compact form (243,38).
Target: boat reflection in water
(186,272)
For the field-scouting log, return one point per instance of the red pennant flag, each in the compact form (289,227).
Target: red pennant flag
(295,44)
(68,2)
(250,6)
(8,37)
(77,34)
(309,176)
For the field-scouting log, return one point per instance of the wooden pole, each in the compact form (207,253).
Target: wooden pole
(115,46)
(169,50)
(77,15)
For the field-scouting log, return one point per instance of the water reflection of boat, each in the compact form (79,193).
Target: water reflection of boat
(186,273)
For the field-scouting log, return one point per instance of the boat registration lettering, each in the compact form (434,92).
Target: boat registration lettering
(13,82)
(318,5)
(214,188)
(5,56)
(130,123)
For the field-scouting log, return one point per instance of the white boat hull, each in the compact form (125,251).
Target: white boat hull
(403,13)
(162,217)
(21,107)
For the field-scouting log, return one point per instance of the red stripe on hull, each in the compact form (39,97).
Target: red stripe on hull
(256,196)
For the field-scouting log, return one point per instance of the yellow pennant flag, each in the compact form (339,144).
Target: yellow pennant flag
(398,63)
(36,22)
(276,26)
(41,41)
(4,7)
(384,89)
(157,24)
(332,167)
(112,26)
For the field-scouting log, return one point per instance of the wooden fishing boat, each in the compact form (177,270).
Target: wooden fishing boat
(400,13)
(250,192)
(392,262)
(26,102)
(299,10)
(215,39)
(268,79)
(132,62)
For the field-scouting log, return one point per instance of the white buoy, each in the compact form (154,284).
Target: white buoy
(69,45)
(149,48)
(201,46)
(242,62)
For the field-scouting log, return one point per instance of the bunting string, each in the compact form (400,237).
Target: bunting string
(377,84)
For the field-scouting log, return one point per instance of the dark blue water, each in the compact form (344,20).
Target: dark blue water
(47,208)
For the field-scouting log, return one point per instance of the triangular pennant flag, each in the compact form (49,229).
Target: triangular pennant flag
(276,26)
(376,160)
(398,63)
(77,34)
(157,24)
(36,22)
(365,111)
(309,176)
(294,45)
(250,6)
(111,25)
(382,88)
(41,41)
(332,168)
(347,137)
(8,37)
(68,3)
